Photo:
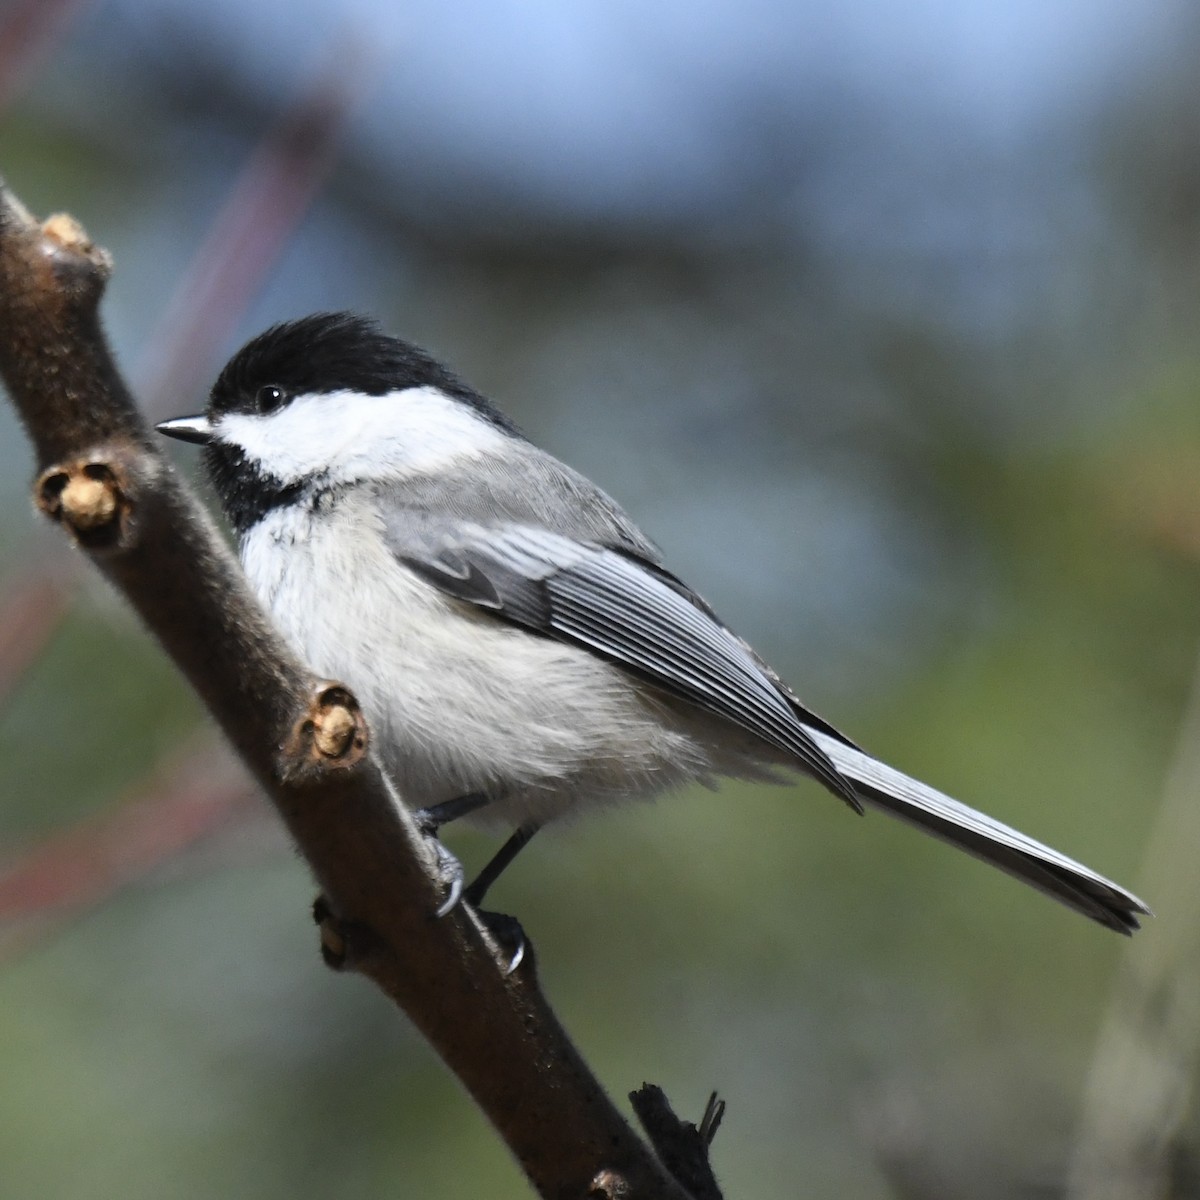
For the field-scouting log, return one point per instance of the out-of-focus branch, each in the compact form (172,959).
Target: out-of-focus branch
(89,861)
(28,29)
(260,215)
(304,741)
(1142,1083)
(29,614)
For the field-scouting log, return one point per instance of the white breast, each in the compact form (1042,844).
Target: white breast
(457,701)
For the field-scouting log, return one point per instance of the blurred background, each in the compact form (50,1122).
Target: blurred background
(881,319)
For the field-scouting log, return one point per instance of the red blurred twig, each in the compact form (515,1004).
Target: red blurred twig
(79,866)
(29,614)
(263,210)
(28,31)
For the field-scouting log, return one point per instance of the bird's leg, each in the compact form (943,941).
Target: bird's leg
(429,821)
(495,867)
(505,929)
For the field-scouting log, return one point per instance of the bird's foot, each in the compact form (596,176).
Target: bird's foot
(429,822)
(507,933)
(450,874)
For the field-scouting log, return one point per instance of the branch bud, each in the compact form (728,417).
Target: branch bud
(331,733)
(89,497)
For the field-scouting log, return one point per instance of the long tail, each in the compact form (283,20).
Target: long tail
(1058,876)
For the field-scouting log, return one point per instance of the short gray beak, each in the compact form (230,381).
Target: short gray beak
(187,429)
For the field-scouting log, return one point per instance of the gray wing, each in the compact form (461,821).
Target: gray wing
(528,486)
(604,600)
(584,573)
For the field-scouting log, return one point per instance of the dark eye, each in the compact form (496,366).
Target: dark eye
(269,398)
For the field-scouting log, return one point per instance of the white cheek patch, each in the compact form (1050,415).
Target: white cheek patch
(346,436)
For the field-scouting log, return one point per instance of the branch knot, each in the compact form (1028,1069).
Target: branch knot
(90,497)
(330,734)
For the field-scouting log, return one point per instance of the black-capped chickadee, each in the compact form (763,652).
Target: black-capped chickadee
(516,643)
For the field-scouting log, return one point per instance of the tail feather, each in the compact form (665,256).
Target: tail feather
(1058,876)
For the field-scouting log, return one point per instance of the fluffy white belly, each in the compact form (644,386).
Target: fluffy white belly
(460,702)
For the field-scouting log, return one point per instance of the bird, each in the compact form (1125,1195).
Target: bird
(519,647)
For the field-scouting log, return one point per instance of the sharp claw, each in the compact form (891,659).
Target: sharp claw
(507,933)
(451,874)
(516,960)
(451,901)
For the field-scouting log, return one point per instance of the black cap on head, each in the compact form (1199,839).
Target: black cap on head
(334,352)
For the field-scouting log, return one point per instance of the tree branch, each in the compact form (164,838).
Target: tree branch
(682,1146)
(304,740)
